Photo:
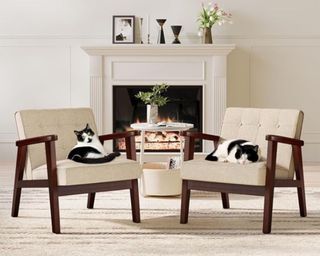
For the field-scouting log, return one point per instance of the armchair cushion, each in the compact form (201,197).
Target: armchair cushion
(73,173)
(254,124)
(248,174)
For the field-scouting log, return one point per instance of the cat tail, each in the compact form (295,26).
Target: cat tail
(211,157)
(101,160)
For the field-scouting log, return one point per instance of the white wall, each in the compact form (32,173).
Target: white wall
(275,64)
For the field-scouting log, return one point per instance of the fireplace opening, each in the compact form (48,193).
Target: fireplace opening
(185,105)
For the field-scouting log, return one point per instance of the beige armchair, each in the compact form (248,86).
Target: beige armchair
(277,132)
(46,137)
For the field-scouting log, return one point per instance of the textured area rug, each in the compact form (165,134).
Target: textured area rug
(108,229)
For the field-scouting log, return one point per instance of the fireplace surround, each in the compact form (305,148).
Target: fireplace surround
(114,66)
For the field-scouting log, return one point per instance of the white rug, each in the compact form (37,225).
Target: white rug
(108,229)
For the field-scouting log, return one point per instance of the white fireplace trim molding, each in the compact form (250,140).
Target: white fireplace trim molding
(160,50)
(204,65)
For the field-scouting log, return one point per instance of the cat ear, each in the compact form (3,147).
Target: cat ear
(87,126)
(76,132)
(256,148)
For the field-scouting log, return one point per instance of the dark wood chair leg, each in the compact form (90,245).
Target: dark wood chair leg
(54,208)
(90,202)
(225,200)
(302,201)
(267,214)
(185,201)
(53,183)
(269,188)
(16,202)
(135,206)
(21,160)
(299,176)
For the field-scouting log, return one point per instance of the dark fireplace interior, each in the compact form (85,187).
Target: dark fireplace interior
(185,105)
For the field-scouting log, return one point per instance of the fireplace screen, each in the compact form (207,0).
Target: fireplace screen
(185,105)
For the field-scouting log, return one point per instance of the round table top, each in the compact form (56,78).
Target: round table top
(163,126)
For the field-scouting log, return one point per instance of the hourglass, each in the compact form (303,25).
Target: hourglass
(161,39)
(176,31)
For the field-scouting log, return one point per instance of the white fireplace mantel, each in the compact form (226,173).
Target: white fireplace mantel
(143,64)
(160,50)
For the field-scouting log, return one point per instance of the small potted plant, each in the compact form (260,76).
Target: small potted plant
(210,15)
(154,99)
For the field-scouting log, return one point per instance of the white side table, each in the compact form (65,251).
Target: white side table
(174,127)
(156,180)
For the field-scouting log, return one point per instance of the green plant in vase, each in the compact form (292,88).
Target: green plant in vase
(154,99)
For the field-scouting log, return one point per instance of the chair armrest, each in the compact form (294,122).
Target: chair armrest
(117,135)
(273,141)
(36,140)
(189,142)
(129,140)
(285,140)
(200,135)
(50,152)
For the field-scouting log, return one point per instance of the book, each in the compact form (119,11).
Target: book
(171,124)
(174,162)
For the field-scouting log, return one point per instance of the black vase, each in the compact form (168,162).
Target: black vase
(176,31)
(161,39)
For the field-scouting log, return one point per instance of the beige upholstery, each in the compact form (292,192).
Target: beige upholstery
(62,122)
(72,173)
(252,124)
(249,174)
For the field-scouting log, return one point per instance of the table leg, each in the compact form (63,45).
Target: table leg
(142,147)
(181,147)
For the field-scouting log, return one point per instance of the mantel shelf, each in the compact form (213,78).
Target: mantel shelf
(160,50)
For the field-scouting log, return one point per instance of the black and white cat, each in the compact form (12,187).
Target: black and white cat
(89,149)
(235,151)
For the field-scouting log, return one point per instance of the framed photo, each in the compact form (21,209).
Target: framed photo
(123,29)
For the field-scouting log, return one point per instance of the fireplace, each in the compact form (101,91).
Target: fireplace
(185,105)
(139,65)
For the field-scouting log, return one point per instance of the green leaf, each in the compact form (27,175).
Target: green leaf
(154,97)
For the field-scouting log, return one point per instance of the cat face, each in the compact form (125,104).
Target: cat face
(85,135)
(247,154)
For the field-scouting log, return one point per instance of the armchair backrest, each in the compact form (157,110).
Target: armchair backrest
(62,122)
(254,124)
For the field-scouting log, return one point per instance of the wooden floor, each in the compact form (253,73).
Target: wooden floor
(312,174)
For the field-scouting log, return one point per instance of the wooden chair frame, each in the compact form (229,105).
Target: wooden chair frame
(55,191)
(267,191)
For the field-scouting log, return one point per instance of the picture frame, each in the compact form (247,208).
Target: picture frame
(123,31)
